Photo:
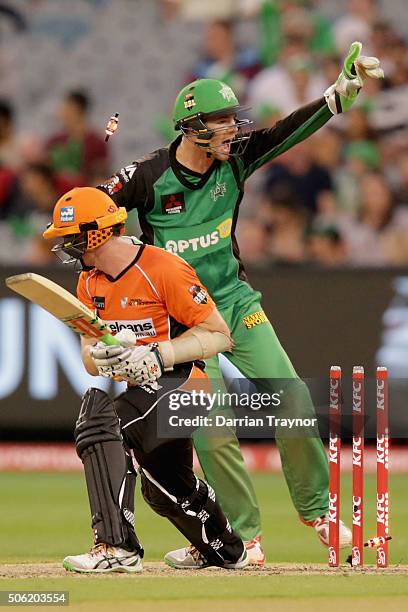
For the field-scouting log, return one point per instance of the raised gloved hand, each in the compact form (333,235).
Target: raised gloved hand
(356,69)
(136,364)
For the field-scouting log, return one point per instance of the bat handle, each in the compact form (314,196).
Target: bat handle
(109,340)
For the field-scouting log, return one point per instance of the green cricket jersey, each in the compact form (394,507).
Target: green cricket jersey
(195,215)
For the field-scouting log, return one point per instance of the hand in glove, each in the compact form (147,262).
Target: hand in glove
(356,69)
(109,355)
(137,365)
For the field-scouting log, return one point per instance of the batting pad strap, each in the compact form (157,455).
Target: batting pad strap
(198,344)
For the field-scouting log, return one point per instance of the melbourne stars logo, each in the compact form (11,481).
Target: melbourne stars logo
(218,191)
(227,93)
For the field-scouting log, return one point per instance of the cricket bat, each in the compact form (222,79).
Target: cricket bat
(61,304)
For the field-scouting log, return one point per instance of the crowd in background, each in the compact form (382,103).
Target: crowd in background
(339,198)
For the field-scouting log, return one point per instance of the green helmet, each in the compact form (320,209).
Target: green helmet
(202,98)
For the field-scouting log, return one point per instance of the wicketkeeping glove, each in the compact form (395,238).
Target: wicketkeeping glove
(356,69)
(137,365)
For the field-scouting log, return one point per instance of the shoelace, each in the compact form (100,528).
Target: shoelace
(197,556)
(99,548)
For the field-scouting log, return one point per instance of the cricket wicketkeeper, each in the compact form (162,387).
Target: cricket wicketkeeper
(133,285)
(187,196)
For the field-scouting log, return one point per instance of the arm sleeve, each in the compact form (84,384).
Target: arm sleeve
(265,145)
(82,293)
(185,297)
(127,186)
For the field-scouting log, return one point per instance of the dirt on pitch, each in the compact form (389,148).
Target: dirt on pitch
(151,568)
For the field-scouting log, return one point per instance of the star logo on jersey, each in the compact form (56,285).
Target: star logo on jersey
(218,191)
(227,93)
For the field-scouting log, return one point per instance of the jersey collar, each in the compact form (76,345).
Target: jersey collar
(113,279)
(179,169)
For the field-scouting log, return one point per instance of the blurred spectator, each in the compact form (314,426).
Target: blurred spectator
(252,239)
(223,59)
(330,67)
(284,20)
(14,17)
(331,185)
(78,154)
(39,187)
(276,230)
(380,234)
(298,172)
(16,149)
(303,19)
(9,192)
(401,195)
(389,110)
(397,73)
(326,149)
(291,83)
(193,10)
(360,158)
(325,245)
(21,229)
(357,126)
(21,234)
(356,24)
(286,228)
(381,43)
(267,115)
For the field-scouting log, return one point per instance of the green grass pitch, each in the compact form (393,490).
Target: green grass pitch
(45,517)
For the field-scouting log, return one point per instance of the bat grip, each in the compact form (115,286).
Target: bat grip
(109,340)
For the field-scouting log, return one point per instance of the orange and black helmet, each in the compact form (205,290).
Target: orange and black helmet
(86,209)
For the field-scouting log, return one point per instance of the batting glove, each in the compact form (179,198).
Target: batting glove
(105,356)
(137,365)
(356,69)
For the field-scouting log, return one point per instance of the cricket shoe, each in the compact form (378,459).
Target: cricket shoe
(103,558)
(191,558)
(256,555)
(321,526)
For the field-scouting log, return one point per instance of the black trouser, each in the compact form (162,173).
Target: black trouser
(169,484)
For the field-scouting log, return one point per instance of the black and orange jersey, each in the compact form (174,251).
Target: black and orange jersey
(195,215)
(158,296)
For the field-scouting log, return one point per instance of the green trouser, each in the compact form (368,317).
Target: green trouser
(258,354)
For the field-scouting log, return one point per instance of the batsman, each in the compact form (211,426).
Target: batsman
(187,196)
